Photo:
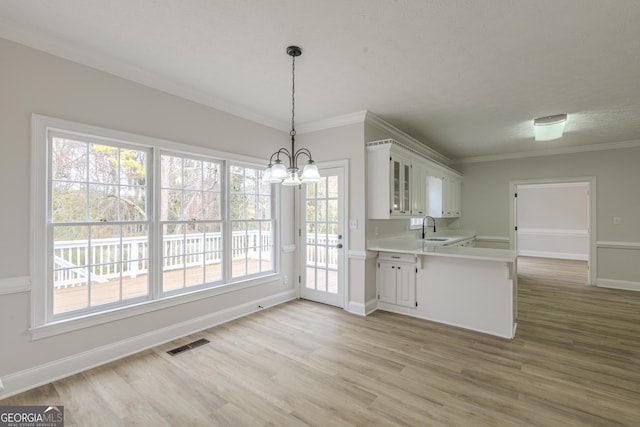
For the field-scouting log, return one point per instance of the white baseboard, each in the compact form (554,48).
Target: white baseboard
(557,255)
(356,308)
(363,309)
(18,382)
(371,306)
(618,284)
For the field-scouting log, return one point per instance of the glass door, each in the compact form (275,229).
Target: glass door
(322,239)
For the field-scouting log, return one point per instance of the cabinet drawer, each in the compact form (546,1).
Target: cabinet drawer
(390,256)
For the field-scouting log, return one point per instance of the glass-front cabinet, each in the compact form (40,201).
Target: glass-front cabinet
(402,184)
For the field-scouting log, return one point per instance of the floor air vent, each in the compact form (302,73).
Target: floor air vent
(189,346)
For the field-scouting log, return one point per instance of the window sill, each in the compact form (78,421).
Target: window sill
(94,319)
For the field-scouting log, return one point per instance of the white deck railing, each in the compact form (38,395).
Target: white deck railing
(70,257)
(326,254)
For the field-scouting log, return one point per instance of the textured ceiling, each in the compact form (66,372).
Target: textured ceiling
(465,77)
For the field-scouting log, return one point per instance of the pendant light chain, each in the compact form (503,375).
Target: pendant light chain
(293,96)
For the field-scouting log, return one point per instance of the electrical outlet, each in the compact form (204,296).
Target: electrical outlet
(285,279)
(353,224)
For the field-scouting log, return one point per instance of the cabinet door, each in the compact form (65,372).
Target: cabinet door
(386,281)
(406,188)
(419,191)
(456,196)
(400,186)
(453,192)
(435,193)
(406,285)
(396,185)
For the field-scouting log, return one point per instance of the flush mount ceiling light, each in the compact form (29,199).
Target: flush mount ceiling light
(549,127)
(276,171)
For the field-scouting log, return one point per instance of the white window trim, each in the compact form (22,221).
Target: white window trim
(40,127)
(229,229)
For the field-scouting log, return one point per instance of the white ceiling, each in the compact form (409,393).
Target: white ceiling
(465,77)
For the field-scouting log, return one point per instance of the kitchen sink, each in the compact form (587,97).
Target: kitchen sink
(435,239)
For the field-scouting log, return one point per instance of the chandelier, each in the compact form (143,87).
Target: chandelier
(277,172)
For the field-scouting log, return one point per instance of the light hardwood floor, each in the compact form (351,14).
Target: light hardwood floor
(575,361)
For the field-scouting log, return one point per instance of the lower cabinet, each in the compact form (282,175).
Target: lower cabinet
(396,279)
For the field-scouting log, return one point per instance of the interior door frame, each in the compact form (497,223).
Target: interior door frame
(300,245)
(591,182)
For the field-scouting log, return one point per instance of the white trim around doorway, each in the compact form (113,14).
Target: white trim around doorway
(591,183)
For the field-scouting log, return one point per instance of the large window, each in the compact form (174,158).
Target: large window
(99,222)
(190,214)
(251,221)
(122,221)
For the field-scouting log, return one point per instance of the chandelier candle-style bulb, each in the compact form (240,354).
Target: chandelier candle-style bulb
(292,179)
(310,173)
(276,171)
(279,170)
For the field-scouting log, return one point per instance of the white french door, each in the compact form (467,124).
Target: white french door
(322,239)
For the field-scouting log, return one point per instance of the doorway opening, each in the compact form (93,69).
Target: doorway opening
(555,219)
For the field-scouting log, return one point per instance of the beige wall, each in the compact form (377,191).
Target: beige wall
(485,200)
(35,82)
(347,142)
(554,206)
(553,220)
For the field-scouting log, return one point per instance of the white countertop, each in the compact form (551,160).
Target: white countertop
(429,248)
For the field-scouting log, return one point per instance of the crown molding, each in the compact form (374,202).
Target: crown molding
(333,122)
(53,46)
(405,139)
(550,152)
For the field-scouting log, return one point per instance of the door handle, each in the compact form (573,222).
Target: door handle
(339,246)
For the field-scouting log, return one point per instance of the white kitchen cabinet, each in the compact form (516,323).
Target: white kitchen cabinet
(406,284)
(419,190)
(444,192)
(435,195)
(389,176)
(396,279)
(401,184)
(453,201)
(386,281)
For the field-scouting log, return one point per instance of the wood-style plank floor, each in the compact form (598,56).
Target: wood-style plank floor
(575,361)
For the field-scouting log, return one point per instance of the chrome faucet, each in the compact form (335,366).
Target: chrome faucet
(425,219)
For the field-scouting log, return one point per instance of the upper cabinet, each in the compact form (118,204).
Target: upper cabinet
(401,177)
(453,202)
(389,176)
(403,184)
(419,190)
(444,192)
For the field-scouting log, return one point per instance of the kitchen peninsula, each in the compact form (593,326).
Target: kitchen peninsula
(468,287)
